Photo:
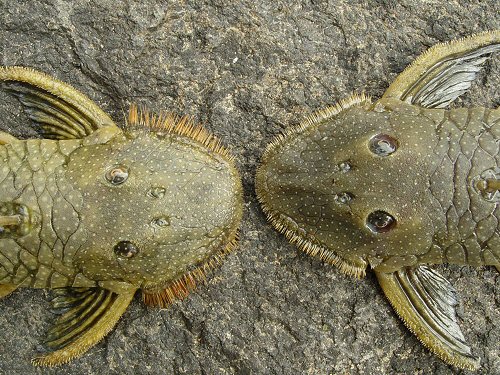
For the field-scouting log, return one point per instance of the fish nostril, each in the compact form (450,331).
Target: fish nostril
(343,197)
(126,249)
(161,222)
(345,166)
(157,192)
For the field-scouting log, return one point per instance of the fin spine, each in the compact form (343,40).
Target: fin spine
(469,363)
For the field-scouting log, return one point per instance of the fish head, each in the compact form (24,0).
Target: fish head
(157,207)
(349,185)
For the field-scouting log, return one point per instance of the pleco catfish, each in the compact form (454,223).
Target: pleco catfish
(96,212)
(396,185)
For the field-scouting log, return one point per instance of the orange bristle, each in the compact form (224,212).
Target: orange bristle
(180,288)
(180,125)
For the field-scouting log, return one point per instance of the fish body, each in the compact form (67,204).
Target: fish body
(396,185)
(76,216)
(429,185)
(33,178)
(98,212)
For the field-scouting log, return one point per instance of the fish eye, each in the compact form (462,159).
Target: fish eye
(380,222)
(125,249)
(161,222)
(383,145)
(117,175)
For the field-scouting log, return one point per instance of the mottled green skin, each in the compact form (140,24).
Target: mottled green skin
(427,185)
(397,185)
(97,212)
(78,216)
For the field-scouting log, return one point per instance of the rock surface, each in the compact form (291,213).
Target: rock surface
(246,70)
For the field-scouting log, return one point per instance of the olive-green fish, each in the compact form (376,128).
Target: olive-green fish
(396,185)
(96,212)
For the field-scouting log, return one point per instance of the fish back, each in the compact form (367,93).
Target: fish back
(38,250)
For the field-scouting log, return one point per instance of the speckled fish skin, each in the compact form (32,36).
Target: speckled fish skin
(98,212)
(78,216)
(425,185)
(396,185)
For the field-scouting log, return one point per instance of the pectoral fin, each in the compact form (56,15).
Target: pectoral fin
(6,289)
(444,72)
(426,302)
(86,316)
(61,111)
(6,138)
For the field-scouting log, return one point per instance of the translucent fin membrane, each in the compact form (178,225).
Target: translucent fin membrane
(445,71)
(181,125)
(426,303)
(180,288)
(86,315)
(61,111)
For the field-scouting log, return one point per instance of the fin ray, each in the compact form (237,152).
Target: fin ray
(6,289)
(92,313)
(426,301)
(38,103)
(6,138)
(444,72)
(62,111)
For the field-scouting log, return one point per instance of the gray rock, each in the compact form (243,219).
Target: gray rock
(246,70)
